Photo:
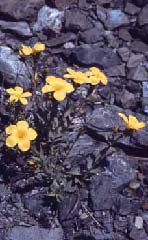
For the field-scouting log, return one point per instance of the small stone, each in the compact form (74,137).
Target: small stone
(125,35)
(66,37)
(124,53)
(21,28)
(101,13)
(131,9)
(116,71)
(139,47)
(135,60)
(143,16)
(138,74)
(139,222)
(76,20)
(92,35)
(138,234)
(49,19)
(69,45)
(116,18)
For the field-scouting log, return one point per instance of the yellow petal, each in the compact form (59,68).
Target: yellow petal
(103,79)
(50,79)
(95,70)
(141,125)
(22,124)
(25,50)
(24,145)
(10,90)
(23,101)
(32,134)
(11,141)
(59,95)
(67,76)
(26,94)
(10,129)
(38,47)
(69,88)
(13,98)
(124,117)
(19,90)
(47,88)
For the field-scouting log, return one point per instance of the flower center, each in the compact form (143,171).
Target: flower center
(21,134)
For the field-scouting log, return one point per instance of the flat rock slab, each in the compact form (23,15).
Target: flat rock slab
(21,10)
(14,71)
(88,55)
(35,233)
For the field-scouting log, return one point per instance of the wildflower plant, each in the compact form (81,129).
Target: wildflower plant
(39,126)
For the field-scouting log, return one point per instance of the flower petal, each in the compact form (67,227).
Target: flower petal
(47,88)
(124,117)
(10,91)
(24,145)
(59,95)
(32,134)
(23,101)
(141,125)
(22,124)
(13,98)
(10,129)
(69,88)
(11,141)
(50,79)
(26,94)
(19,90)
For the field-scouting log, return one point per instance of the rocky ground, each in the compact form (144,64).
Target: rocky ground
(112,202)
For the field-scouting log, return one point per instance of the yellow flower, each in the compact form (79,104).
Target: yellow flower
(131,122)
(21,135)
(78,77)
(38,47)
(17,94)
(25,50)
(95,76)
(59,86)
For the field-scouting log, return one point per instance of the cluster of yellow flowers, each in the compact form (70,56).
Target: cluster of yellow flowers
(26,50)
(21,134)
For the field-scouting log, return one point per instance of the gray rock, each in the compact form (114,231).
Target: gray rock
(102,192)
(138,74)
(138,234)
(76,20)
(101,13)
(131,9)
(120,169)
(92,35)
(49,19)
(145,96)
(116,18)
(139,47)
(126,99)
(116,71)
(143,16)
(140,138)
(125,206)
(135,60)
(66,37)
(21,10)
(14,71)
(124,53)
(125,35)
(35,232)
(89,55)
(21,28)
